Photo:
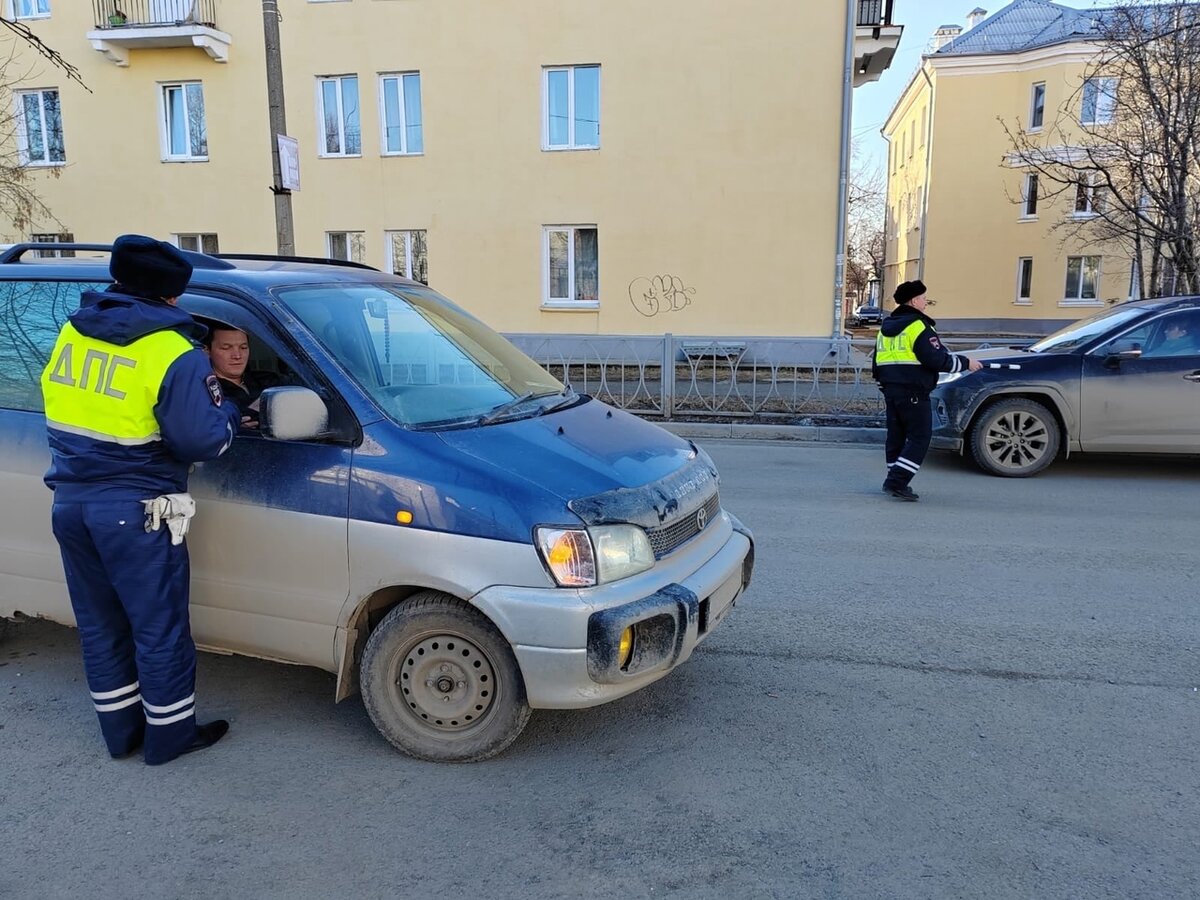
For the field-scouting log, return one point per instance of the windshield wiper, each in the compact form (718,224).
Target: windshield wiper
(566,397)
(499,412)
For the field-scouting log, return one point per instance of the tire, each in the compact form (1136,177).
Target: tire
(441,683)
(1015,438)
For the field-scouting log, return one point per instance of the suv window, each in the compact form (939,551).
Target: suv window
(32,312)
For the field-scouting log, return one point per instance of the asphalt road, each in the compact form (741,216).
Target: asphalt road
(990,693)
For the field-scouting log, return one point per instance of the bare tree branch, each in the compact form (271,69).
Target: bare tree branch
(23,31)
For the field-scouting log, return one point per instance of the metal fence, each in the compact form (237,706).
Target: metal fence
(765,379)
(874,12)
(123,13)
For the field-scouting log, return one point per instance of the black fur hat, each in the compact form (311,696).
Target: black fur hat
(149,268)
(908,290)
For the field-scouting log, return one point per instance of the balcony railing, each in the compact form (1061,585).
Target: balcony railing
(874,13)
(154,13)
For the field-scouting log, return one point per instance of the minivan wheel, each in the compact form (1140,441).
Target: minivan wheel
(441,683)
(1015,438)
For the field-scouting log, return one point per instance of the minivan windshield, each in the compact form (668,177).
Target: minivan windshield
(1079,333)
(425,362)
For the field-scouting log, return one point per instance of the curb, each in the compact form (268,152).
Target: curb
(835,434)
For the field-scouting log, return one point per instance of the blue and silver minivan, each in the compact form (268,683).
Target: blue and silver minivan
(422,510)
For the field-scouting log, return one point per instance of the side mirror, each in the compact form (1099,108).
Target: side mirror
(1114,357)
(292,414)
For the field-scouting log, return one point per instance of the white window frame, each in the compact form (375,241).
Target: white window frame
(1026,300)
(1081,300)
(180,238)
(350,243)
(570,302)
(23,134)
(1033,106)
(1106,87)
(1026,215)
(164,126)
(570,70)
(1090,191)
(14,10)
(62,237)
(341,118)
(406,235)
(403,124)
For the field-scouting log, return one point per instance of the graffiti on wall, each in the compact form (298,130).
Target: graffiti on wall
(660,294)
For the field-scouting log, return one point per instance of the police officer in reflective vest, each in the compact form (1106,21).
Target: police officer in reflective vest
(908,358)
(131,401)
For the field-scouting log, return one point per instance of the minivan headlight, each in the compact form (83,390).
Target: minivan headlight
(621,551)
(581,558)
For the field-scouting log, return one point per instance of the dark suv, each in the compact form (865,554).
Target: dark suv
(867,315)
(1126,380)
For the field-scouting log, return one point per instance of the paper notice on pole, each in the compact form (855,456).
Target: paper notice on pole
(289,162)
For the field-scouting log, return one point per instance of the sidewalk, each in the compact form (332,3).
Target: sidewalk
(839,434)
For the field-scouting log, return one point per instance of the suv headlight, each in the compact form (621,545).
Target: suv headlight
(580,557)
(948,377)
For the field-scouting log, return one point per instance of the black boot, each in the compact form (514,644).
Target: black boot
(901,492)
(206,736)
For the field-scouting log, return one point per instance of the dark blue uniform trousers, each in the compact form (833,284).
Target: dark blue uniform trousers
(129,590)
(909,430)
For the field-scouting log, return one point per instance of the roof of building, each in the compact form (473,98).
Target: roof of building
(1026,25)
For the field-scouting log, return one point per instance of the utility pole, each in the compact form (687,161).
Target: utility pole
(285,236)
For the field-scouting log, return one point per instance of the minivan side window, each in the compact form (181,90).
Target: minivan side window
(32,313)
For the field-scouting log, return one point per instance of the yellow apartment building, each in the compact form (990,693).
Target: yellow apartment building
(962,215)
(620,167)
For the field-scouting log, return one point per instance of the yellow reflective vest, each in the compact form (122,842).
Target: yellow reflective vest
(106,391)
(897,350)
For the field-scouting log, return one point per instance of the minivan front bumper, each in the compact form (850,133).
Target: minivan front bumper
(573,663)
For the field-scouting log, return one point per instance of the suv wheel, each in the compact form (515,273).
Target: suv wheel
(1015,438)
(441,683)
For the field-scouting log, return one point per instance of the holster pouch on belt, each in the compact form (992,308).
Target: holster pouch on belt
(176,510)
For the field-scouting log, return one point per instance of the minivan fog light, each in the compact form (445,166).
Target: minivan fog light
(621,551)
(568,555)
(625,648)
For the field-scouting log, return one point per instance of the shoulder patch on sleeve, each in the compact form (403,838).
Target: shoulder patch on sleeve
(934,342)
(214,390)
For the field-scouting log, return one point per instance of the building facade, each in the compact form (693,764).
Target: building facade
(618,167)
(999,252)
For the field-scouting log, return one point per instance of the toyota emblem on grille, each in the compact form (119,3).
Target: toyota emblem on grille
(701,518)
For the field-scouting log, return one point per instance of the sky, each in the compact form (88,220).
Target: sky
(920,18)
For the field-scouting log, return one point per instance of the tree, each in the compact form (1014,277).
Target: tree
(1124,150)
(19,201)
(866,208)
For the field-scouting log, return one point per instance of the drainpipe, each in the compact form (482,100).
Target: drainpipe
(928,169)
(839,269)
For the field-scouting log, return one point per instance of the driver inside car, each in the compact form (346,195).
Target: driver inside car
(228,349)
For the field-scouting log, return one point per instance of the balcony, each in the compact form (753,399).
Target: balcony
(124,25)
(875,40)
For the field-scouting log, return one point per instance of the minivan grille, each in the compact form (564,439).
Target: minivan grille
(669,538)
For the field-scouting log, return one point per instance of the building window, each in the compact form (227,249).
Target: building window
(199,242)
(408,254)
(572,269)
(1099,101)
(912,137)
(1037,108)
(185,131)
(1030,197)
(1025,279)
(1083,277)
(400,101)
(348,245)
(31,9)
(571,103)
(64,237)
(1088,198)
(924,114)
(39,128)
(337,102)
